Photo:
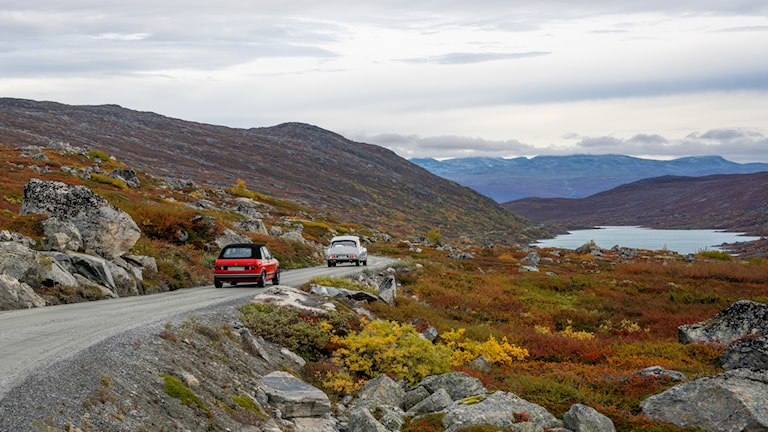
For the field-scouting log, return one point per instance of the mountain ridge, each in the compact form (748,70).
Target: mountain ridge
(574,176)
(735,202)
(359,182)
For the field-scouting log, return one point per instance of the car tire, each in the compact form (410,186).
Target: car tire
(276,277)
(218,284)
(357,263)
(262,280)
(365,263)
(330,264)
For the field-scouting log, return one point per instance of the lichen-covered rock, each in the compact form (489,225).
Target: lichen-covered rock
(435,402)
(127,175)
(498,409)
(17,295)
(581,418)
(105,229)
(732,401)
(361,420)
(459,385)
(660,372)
(381,390)
(746,353)
(32,267)
(740,319)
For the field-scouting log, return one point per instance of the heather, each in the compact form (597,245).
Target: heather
(588,323)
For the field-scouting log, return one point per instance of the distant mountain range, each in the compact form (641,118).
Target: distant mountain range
(574,176)
(737,202)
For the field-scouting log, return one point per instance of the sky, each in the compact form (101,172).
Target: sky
(425,78)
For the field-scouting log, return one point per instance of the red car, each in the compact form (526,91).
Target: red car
(246,263)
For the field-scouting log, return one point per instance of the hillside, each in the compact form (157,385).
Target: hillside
(736,202)
(354,182)
(574,176)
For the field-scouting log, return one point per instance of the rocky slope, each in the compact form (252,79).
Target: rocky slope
(732,202)
(575,176)
(354,181)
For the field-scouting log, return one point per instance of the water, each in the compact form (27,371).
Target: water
(680,241)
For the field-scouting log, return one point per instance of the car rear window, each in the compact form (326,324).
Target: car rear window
(240,252)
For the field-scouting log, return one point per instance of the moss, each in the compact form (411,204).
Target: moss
(176,389)
(248,404)
(472,400)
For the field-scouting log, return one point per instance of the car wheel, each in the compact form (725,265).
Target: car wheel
(276,277)
(365,263)
(357,263)
(262,279)
(330,264)
(217,284)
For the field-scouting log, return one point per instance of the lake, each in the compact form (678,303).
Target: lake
(680,241)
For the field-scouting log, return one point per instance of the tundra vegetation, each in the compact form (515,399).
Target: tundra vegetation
(577,331)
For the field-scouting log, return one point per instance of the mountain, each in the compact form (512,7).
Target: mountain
(736,202)
(356,182)
(574,176)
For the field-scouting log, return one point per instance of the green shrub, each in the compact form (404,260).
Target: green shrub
(176,389)
(105,179)
(97,154)
(715,254)
(304,333)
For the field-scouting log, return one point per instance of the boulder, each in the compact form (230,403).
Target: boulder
(499,409)
(750,352)
(581,418)
(10,236)
(388,290)
(282,295)
(733,401)
(293,397)
(740,319)
(231,237)
(17,295)
(459,385)
(99,271)
(127,175)
(106,230)
(379,391)
(252,225)
(32,267)
(532,258)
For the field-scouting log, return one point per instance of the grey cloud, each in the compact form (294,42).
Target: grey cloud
(467,58)
(447,146)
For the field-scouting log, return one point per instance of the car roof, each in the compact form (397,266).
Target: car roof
(248,245)
(345,237)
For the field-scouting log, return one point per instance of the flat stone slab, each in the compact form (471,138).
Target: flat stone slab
(293,397)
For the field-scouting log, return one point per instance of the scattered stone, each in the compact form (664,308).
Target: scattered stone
(581,418)
(388,290)
(459,385)
(126,175)
(660,372)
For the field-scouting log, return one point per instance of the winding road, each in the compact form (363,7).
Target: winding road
(31,338)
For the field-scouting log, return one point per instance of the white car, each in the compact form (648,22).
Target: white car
(346,249)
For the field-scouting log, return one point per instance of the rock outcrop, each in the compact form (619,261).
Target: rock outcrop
(750,352)
(17,295)
(730,402)
(105,230)
(736,321)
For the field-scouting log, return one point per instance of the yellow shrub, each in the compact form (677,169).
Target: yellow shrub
(103,178)
(389,347)
(465,350)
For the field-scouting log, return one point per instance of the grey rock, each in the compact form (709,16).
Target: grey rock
(293,397)
(252,225)
(392,418)
(732,401)
(10,236)
(106,230)
(497,409)
(740,319)
(528,269)
(361,420)
(532,258)
(435,402)
(660,372)
(461,255)
(32,267)
(17,295)
(343,294)
(381,390)
(231,237)
(61,235)
(146,262)
(581,418)
(414,396)
(746,353)
(459,385)
(312,424)
(127,175)
(388,290)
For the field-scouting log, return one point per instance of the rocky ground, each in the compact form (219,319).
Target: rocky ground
(137,380)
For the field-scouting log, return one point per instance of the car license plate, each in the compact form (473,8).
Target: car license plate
(235,268)
(342,256)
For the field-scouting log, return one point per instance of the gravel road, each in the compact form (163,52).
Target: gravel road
(38,345)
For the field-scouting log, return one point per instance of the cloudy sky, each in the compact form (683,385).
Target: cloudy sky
(428,78)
